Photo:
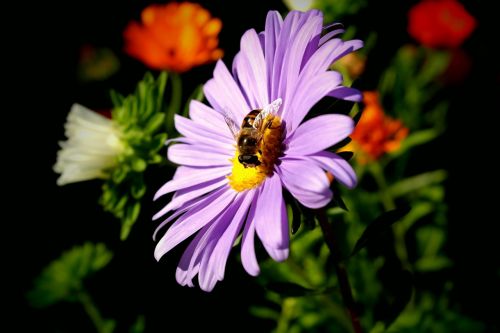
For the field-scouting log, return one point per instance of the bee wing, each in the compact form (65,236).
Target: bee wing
(266,111)
(231,124)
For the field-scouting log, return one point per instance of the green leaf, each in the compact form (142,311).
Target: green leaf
(154,123)
(157,142)
(432,264)
(119,174)
(379,226)
(138,189)
(139,326)
(435,64)
(161,84)
(417,182)
(108,326)
(132,213)
(63,278)
(415,139)
(116,98)
(263,312)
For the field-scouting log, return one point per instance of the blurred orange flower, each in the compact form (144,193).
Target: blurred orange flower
(376,133)
(354,64)
(440,23)
(174,37)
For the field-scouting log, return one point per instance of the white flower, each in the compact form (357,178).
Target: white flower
(92,147)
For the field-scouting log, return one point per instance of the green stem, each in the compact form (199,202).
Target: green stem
(175,102)
(389,204)
(92,311)
(345,287)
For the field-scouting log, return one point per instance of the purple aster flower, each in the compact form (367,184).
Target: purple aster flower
(228,183)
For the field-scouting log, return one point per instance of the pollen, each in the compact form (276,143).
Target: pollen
(270,149)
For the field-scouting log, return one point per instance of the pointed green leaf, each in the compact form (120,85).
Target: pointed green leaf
(62,279)
(154,123)
(132,213)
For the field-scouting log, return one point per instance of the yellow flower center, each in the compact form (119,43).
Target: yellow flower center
(268,151)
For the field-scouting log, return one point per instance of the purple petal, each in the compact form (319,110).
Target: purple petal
(248,258)
(347,94)
(194,220)
(346,48)
(306,96)
(269,223)
(199,263)
(289,28)
(224,94)
(329,35)
(274,22)
(192,206)
(339,168)
(199,155)
(318,134)
(251,70)
(187,177)
(280,253)
(187,194)
(203,133)
(202,246)
(307,182)
(321,60)
(203,114)
(262,40)
(187,268)
(215,267)
(295,54)
(330,52)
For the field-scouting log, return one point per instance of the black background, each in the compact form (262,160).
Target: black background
(42,47)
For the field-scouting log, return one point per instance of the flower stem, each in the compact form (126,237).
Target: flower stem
(92,311)
(175,101)
(345,287)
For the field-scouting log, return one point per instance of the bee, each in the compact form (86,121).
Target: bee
(251,132)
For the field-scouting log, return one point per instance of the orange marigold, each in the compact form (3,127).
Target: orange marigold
(376,133)
(174,37)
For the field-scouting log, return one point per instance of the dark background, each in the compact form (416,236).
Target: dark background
(42,46)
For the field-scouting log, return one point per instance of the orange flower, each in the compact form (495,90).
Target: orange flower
(440,23)
(174,36)
(376,133)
